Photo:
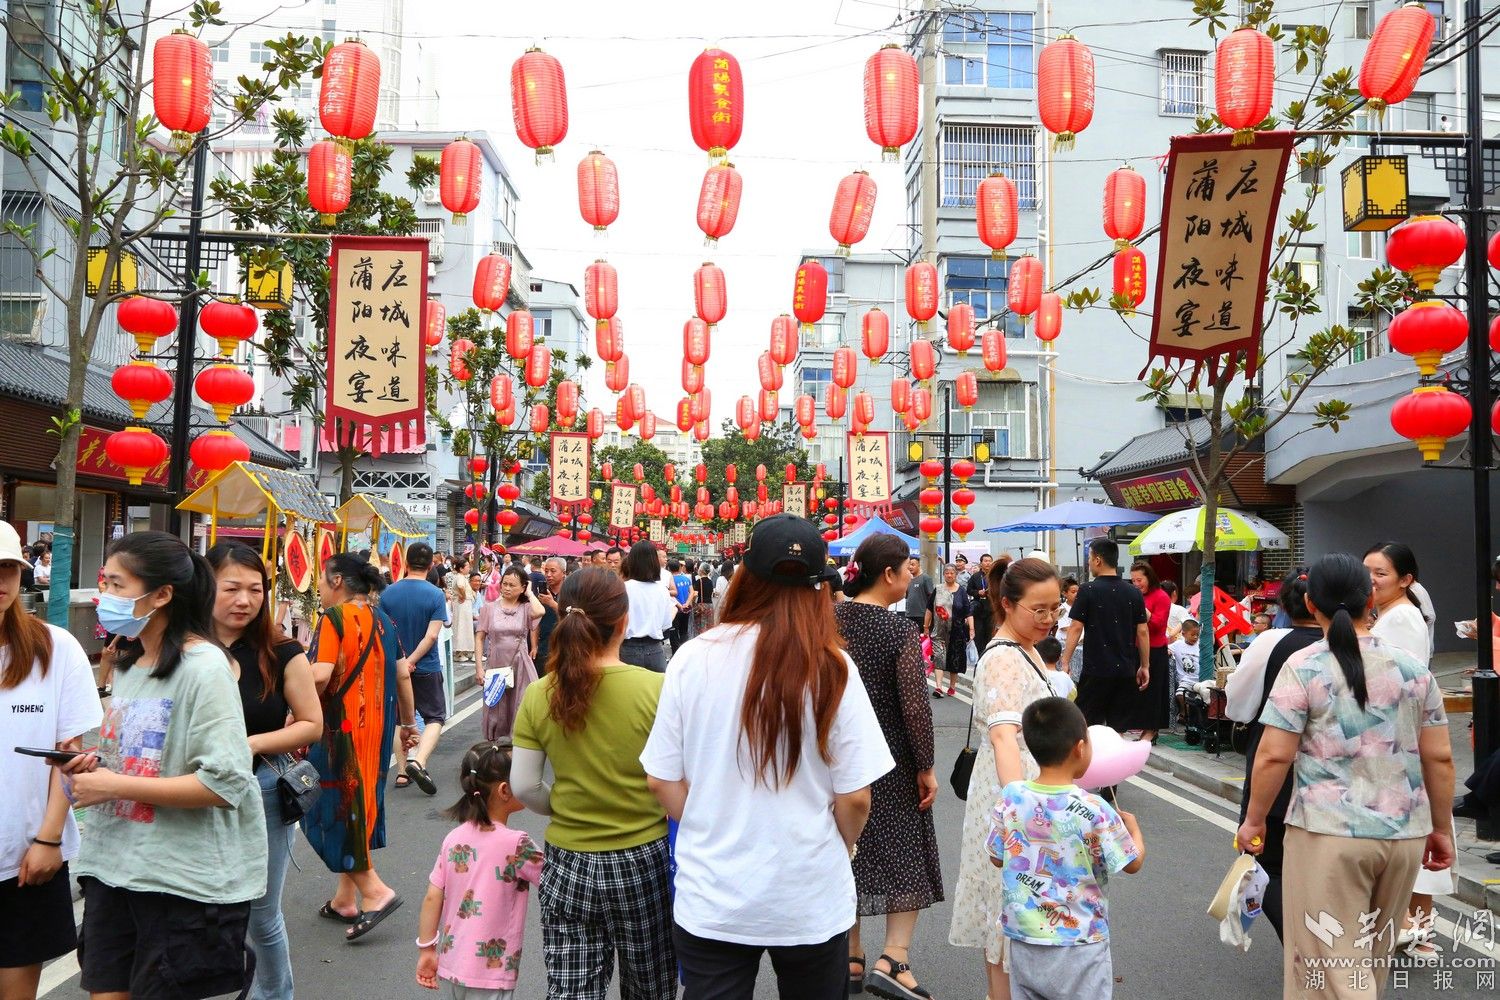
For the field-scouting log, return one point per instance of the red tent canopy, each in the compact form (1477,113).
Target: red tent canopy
(556,545)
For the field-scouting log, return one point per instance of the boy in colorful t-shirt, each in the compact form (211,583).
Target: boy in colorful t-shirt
(1058,845)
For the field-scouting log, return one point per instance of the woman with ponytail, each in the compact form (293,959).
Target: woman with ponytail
(605,889)
(1361,724)
(175,844)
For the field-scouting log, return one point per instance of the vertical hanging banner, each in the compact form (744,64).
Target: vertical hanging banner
(739,532)
(376,355)
(570,468)
(622,506)
(658,530)
(794,499)
(1218,226)
(870,469)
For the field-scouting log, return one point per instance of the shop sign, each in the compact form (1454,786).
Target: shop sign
(869,469)
(794,499)
(1160,492)
(622,506)
(92,461)
(570,468)
(658,530)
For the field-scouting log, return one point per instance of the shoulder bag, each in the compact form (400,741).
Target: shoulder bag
(963,765)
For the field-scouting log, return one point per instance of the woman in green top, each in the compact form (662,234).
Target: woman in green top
(606,887)
(174,846)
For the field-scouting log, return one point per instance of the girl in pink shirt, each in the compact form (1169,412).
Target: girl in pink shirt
(474,914)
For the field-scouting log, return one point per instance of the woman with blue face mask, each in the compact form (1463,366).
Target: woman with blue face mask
(174,850)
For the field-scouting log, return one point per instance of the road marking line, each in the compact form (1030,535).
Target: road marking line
(57,974)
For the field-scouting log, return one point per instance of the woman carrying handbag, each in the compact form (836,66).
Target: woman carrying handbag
(505,638)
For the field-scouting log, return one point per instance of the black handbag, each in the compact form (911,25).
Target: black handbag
(298,786)
(963,765)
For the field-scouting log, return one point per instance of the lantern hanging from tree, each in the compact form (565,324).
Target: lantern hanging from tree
(1124,205)
(921,293)
(1244,80)
(539,101)
(719,202)
(716,102)
(459,177)
(810,294)
(541,419)
(1065,89)
(900,394)
(520,334)
(1422,246)
(330,179)
(1130,279)
(1023,293)
(228,323)
(491,282)
(350,91)
(538,366)
(923,360)
(609,342)
(853,207)
(142,385)
(1395,56)
(844,367)
(502,393)
(996,213)
(992,350)
(961,327)
(183,85)
(598,190)
(1427,331)
(601,290)
(215,451)
(710,296)
(1049,317)
(434,321)
(146,320)
(875,334)
(1429,417)
(458,359)
(783,340)
(224,388)
(891,100)
(137,451)
(835,401)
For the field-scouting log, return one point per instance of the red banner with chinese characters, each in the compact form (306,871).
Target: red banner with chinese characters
(1159,492)
(92,461)
(1218,227)
(377,366)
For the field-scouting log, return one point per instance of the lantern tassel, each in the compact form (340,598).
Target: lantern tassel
(844,250)
(1243,137)
(328,220)
(1063,142)
(890,154)
(460,218)
(998,255)
(543,155)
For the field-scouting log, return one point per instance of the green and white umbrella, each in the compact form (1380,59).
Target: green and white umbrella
(1182,531)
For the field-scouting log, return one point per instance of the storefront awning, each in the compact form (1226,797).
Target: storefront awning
(362,511)
(245,489)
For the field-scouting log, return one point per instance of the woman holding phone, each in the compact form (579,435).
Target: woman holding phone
(48,701)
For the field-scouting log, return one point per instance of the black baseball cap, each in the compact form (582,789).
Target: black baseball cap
(787,538)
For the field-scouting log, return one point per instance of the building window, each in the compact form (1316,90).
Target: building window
(1421,113)
(989,50)
(835,268)
(1435,8)
(259,54)
(1369,341)
(19,315)
(1363,246)
(1361,20)
(1182,83)
(328,29)
(1307,261)
(220,52)
(26,55)
(829,332)
(981,282)
(1003,416)
(970,153)
(814,382)
(541,326)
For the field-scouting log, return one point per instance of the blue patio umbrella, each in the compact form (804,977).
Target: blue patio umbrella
(847,545)
(1074,516)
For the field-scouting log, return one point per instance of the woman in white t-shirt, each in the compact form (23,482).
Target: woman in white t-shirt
(764,749)
(48,701)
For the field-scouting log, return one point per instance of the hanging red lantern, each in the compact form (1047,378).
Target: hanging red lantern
(770,406)
(923,360)
(716,102)
(806,409)
(598,190)
(1430,416)
(996,213)
(931,525)
(719,202)
(637,397)
(594,424)
(900,394)
(502,393)
(1049,317)
(700,431)
(961,327)
(745,413)
(1023,292)
(964,469)
(137,451)
(783,340)
(229,323)
(541,419)
(1130,279)
(330,179)
(567,402)
(609,339)
(624,416)
(910,420)
(224,388)
(471,518)
(769,371)
(506,417)
(810,294)
(966,389)
(538,366)
(1065,89)
(520,334)
(459,177)
(478,466)
(963,498)
(853,207)
(607,471)
(1427,331)
(491,282)
(182,91)
(685,414)
(458,359)
(921,405)
(760,473)
(962,525)
(1244,80)
(350,90)
(864,408)
(845,367)
(1492,252)
(791,472)
(215,451)
(891,100)
(1395,56)
(601,290)
(434,322)
(692,377)
(638,471)
(616,374)
(1422,246)
(835,401)
(146,319)
(992,350)
(702,405)
(539,101)
(141,384)
(931,469)
(875,335)
(669,473)
(507,519)
(731,473)
(710,296)
(921,293)
(1124,206)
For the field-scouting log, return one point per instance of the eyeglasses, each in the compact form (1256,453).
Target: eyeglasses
(1045,615)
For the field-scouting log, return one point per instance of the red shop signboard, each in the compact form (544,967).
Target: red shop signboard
(92,461)
(1159,492)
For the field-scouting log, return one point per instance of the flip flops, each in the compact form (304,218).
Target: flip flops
(327,912)
(368,920)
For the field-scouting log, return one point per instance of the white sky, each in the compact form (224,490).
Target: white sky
(626,67)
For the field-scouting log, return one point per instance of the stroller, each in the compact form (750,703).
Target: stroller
(1207,724)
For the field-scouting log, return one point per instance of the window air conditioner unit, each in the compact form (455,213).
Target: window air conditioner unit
(431,195)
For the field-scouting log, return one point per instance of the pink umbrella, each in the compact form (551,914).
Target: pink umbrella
(556,545)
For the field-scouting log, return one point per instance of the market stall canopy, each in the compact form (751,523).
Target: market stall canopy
(363,511)
(847,545)
(244,489)
(556,545)
(1075,515)
(1236,531)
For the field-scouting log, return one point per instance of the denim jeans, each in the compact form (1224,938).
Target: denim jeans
(267,936)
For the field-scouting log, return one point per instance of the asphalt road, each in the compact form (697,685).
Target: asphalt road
(1164,946)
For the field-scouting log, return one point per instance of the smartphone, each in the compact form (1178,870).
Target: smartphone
(54,756)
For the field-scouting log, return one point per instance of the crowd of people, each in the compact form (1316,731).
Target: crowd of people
(702,726)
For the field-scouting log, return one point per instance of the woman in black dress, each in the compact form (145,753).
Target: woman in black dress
(896,870)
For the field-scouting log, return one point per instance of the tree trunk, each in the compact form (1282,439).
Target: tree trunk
(347,458)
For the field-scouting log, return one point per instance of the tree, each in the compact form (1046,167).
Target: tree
(653,462)
(96,144)
(777,445)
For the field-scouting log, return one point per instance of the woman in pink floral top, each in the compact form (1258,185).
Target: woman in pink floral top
(1372,798)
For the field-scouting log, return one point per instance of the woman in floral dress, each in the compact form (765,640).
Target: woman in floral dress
(506,636)
(460,603)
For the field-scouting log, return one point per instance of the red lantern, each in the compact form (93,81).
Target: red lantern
(146,319)
(1427,331)
(567,402)
(637,397)
(1422,246)
(830,535)
(624,416)
(962,525)
(835,401)
(594,424)
(607,471)
(519,334)
(996,213)
(491,282)
(1244,78)
(1492,253)
(923,360)
(930,498)
(541,419)
(992,350)
(710,296)
(853,206)
(760,473)
(806,409)
(506,417)
(1023,292)
(719,202)
(963,498)
(471,518)
(1124,206)
(218,450)
(1130,279)
(601,290)
(183,85)
(900,394)
(330,179)
(931,469)
(769,371)
(609,339)
(964,470)
(921,293)
(685,414)
(502,393)
(507,519)
(921,406)
(692,378)
(875,334)
(539,101)
(716,102)
(639,471)
(1049,317)
(225,388)
(864,408)
(616,374)
(791,472)
(745,412)
(770,406)
(810,294)
(350,90)
(702,405)
(1495,334)
(961,327)
(137,451)
(891,100)
(669,473)
(1065,88)
(538,366)
(844,367)
(458,359)
(141,384)
(229,323)
(1395,55)
(931,525)
(459,178)
(783,340)
(1430,416)
(478,466)
(966,388)
(434,321)
(752,433)
(598,191)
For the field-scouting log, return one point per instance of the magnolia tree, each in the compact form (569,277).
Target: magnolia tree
(109,176)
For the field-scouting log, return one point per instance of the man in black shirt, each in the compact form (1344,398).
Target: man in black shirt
(920,594)
(1109,615)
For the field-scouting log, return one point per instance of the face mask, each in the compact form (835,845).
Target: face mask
(117,616)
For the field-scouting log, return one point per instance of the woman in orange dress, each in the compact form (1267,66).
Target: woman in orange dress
(354,663)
